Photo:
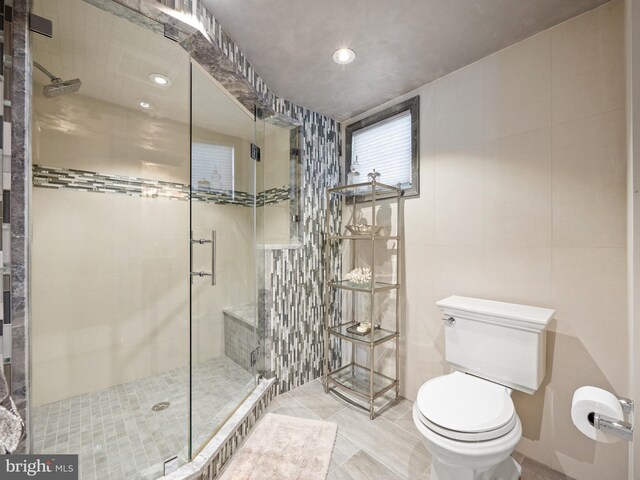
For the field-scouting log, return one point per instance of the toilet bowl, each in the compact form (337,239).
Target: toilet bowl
(469,426)
(467,419)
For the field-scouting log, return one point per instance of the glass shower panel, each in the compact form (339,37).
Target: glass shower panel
(110,252)
(223,264)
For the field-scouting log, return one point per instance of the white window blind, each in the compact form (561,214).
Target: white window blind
(212,166)
(385,146)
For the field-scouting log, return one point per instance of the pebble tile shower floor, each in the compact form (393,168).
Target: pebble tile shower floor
(119,437)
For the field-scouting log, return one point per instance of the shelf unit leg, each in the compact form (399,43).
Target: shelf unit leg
(372,298)
(399,259)
(371,365)
(327,293)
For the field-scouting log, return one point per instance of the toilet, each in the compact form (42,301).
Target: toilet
(467,418)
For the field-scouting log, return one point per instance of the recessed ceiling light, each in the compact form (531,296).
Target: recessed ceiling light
(160,80)
(344,56)
(146,105)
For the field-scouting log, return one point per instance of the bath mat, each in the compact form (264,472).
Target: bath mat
(282,448)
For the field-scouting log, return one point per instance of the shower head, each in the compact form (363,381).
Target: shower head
(58,86)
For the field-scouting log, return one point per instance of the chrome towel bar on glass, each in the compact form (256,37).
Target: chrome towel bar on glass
(202,241)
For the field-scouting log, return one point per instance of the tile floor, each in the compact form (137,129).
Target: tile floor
(119,437)
(387,448)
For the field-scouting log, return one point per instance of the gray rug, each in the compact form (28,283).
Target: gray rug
(284,448)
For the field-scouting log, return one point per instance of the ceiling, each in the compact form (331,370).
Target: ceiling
(114,57)
(400,44)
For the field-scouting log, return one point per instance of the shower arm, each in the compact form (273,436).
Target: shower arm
(45,71)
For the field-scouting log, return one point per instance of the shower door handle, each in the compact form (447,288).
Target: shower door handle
(213,257)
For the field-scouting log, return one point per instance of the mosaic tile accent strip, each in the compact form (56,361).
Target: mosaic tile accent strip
(88,181)
(118,436)
(273,195)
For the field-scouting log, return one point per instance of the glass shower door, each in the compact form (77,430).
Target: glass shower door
(109,327)
(223,273)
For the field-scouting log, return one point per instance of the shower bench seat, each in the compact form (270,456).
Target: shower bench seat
(239,333)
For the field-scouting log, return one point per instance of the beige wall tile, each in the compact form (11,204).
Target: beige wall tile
(422,340)
(419,212)
(603,461)
(536,415)
(574,365)
(589,295)
(459,108)
(427,119)
(419,277)
(589,181)
(535,213)
(458,270)
(518,189)
(518,87)
(588,63)
(110,297)
(459,197)
(519,275)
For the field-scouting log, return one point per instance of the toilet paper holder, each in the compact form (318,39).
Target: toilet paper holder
(619,428)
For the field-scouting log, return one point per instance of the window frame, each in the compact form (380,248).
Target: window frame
(412,105)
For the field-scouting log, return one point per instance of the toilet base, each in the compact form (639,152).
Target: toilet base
(508,469)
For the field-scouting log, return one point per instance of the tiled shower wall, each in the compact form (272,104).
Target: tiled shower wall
(294,278)
(292,293)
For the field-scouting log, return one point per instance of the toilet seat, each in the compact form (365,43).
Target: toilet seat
(463,407)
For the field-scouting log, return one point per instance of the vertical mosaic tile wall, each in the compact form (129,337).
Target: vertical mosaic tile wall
(294,278)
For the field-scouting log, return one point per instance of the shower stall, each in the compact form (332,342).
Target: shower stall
(149,204)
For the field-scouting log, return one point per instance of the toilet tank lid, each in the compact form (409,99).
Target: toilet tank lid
(507,311)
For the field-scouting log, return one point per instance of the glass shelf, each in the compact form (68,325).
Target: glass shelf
(364,237)
(357,379)
(364,287)
(365,189)
(375,337)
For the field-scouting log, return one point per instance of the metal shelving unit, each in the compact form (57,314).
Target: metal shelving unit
(360,385)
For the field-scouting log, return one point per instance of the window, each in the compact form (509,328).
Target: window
(387,142)
(212,167)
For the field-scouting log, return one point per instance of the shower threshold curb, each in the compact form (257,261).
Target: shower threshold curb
(214,456)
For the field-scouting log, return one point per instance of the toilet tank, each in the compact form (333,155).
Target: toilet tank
(501,342)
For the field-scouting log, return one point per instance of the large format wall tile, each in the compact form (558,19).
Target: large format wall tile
(518,87)
(519,274)
(589,181)
(518,189)
(459,197)
(589,295)
(459,108)
(529,206)
(588,63)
